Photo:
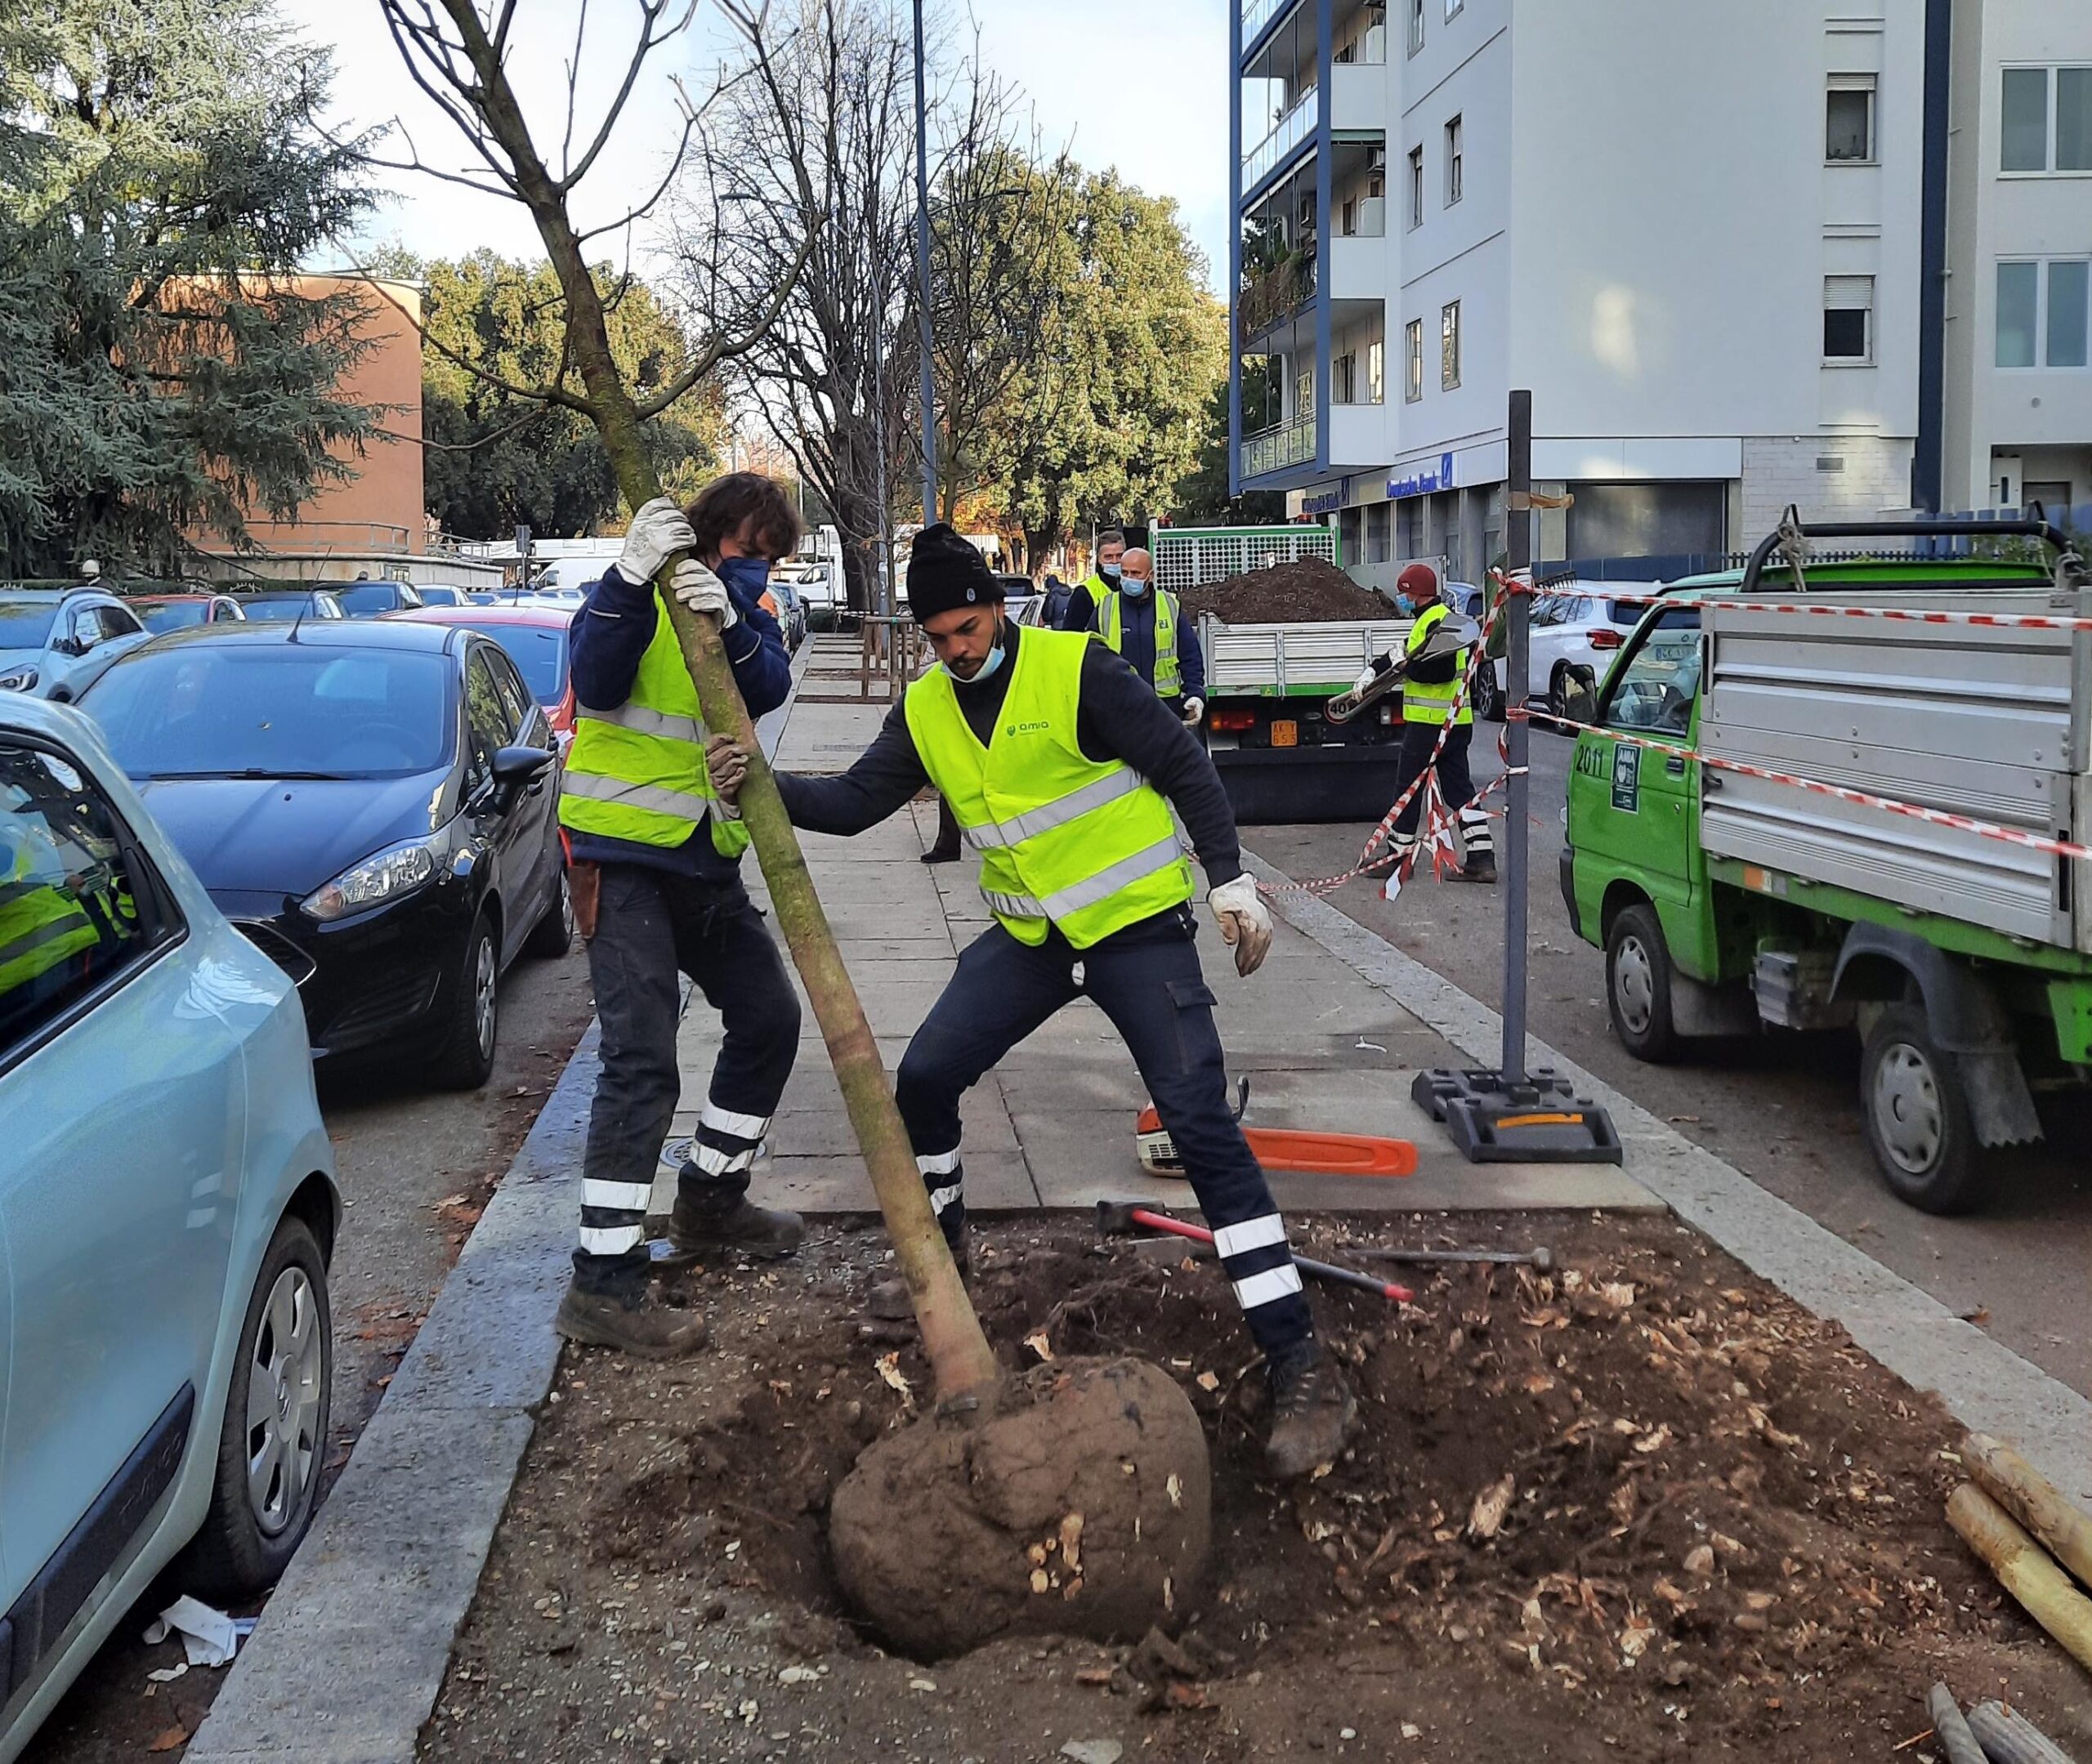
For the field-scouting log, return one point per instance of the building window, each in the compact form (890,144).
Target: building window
(1848,319)
(2045,314)
(2045,124)
(1344,379)
(1303,395)
(1379,546)
(1848,125)
(1454,8)
(1415,25)
(1454,171)
(1413,362)
(1449,335)
(1416,186)
(1375,371)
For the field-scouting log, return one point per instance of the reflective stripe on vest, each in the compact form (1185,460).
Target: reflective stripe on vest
(1427,705)
(39,931)
(1085,845)
(1169,673)
(637,772)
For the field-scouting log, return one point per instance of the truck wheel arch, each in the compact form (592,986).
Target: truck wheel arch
(1620,895)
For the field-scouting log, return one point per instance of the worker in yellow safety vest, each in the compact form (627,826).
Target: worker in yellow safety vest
(1145,624)
(1062,766)
(41,924)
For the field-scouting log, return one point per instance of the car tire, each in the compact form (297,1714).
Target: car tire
(1557,693)
(1916,1114)
(1489,694)
(552,936)
(464,1058)
(272,1444)
(1637,985)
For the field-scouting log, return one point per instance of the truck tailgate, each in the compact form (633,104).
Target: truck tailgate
(1983,723)
(1273,661)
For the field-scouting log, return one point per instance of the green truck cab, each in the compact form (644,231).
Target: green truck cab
(1727,902)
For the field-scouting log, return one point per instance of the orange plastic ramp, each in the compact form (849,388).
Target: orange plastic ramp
(1282,1150)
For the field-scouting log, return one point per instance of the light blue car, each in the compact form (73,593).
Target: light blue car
(55,643)
(168,1206)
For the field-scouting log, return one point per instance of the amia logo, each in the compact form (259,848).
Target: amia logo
(1026,729)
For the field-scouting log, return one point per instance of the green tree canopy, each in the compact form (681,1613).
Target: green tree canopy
(495,460)
(160,169)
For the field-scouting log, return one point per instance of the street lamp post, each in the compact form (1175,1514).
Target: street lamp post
(929,383)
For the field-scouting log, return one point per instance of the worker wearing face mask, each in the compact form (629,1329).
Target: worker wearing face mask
(1061,767)
(1145,624)
(1080,612)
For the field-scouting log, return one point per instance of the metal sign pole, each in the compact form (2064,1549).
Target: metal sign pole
(929,382)
(1517,829)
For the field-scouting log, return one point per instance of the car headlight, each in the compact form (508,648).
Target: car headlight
(19,680)
(383,876)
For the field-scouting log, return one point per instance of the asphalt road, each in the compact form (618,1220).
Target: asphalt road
(415,1166)
(1783,1108)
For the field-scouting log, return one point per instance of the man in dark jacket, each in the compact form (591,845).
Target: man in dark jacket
(1147,625)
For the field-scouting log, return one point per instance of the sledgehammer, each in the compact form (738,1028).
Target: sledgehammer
(1117,1218)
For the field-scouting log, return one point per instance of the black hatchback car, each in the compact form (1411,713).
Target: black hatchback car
(373,805)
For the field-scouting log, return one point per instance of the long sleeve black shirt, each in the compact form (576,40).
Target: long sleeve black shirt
(1118,717)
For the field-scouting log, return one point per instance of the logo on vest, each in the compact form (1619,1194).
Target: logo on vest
(1026,729)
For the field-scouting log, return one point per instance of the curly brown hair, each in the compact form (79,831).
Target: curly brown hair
(724,507)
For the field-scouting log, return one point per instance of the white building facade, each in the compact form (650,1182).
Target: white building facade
(1713,239)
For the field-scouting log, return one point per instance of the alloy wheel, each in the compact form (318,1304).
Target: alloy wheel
(283,1402)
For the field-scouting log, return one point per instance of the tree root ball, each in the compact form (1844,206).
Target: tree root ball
(1076,1499)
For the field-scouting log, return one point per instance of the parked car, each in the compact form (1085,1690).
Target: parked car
(442,594)
(373,803)
(1019,593)
(168,1205)
(781,601)
(368,600)
(816,585)
(535,636)
(1491,697)
(54,641)
(288,605)
(176,612)
(1578,625)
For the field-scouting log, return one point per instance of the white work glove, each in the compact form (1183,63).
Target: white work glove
(1194,711)
(703,592)
(1245,922)
(658,532)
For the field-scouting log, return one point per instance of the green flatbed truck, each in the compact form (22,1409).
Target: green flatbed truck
(1728,903)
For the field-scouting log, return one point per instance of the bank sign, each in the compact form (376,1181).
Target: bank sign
(1422,483)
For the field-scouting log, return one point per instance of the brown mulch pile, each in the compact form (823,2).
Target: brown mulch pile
(1642,1508)
(1306,593)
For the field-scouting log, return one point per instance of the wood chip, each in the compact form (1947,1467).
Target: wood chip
(1071,1542)
(889,1369)
(169,1739)
(1486,1518)
(1038,1343)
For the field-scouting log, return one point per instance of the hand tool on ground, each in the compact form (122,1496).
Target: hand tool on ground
(1542,1259)
(1116,1218)
(1281,1151)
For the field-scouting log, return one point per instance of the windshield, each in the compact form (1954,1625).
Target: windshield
(370,597)
(174,615)
(274,710)
(280,611)
(540,657)
(1656,690)
(25,624)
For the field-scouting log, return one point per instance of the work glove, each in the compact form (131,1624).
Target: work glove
(1194,711)
(1245,922)
(658,532)
(728,763)
(702,592)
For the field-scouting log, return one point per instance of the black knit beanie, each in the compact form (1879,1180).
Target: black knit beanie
(945,570)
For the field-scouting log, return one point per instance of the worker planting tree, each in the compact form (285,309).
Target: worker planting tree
(970,1474)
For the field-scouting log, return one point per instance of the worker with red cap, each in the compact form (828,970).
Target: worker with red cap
(1431,686)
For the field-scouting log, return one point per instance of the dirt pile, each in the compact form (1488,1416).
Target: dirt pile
(1082,1506)
(1306,593)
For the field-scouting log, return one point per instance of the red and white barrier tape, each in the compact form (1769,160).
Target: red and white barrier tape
(1900,615)
(2016,836)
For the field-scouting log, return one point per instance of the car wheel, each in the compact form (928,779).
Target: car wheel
(552,936)
(274,1439)
(1638,979)
(465,1060)
(1557,692)
(1489,694)
(1917,1113)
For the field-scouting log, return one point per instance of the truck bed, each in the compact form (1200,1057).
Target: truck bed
(1991,724)
(1288,660)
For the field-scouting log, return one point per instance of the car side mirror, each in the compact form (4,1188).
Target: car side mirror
(1579,693)
(516,769)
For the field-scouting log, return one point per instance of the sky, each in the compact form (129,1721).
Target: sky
(1140,85)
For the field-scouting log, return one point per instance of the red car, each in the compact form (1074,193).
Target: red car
(177,612)
(535,640)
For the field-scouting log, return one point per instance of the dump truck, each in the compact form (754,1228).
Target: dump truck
(1785,818)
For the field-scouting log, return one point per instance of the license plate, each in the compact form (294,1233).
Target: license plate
(1286,733)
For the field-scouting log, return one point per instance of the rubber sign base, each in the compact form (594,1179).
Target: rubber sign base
(1538,1119)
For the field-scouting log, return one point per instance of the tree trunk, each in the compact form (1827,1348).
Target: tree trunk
(958,1352)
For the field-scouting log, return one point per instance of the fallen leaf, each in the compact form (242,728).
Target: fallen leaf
(1071,1542)
(1040,1346)
(889,1368)
(169,1739)
(1486,1518)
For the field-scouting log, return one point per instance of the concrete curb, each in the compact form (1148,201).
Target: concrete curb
(1986,1386)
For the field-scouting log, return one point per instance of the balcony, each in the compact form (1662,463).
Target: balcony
(1296,126)
(1257,14)
(1270,300)
(1291,443)
(1358,99)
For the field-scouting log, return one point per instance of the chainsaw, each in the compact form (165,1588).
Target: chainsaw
(1280,1149)
(1455,632)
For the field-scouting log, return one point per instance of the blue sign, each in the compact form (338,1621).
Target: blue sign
(1424,483)
(1328,501)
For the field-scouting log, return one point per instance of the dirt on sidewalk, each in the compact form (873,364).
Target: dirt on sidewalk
(1642,1508)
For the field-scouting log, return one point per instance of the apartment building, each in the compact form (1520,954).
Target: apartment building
(2018,423)
(1700,233)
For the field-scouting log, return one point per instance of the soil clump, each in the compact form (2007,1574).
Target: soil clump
(1309,591)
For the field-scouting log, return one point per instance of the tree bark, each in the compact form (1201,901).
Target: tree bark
(960,1357)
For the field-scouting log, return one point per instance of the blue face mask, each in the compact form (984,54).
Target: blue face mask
(1110,572)
(1406,606)
(990,664)
(748,576)
(1132,589)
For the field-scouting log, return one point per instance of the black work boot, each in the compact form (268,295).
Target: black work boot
(718,1216)
(889,1301)
(644,1321)
(1314,1415)
(1481,867)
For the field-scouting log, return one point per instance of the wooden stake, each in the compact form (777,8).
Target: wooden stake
(1950,1727)
(2064,1529)
(2028,1573)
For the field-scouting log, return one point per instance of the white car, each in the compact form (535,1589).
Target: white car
(1581,624)
(815,584)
